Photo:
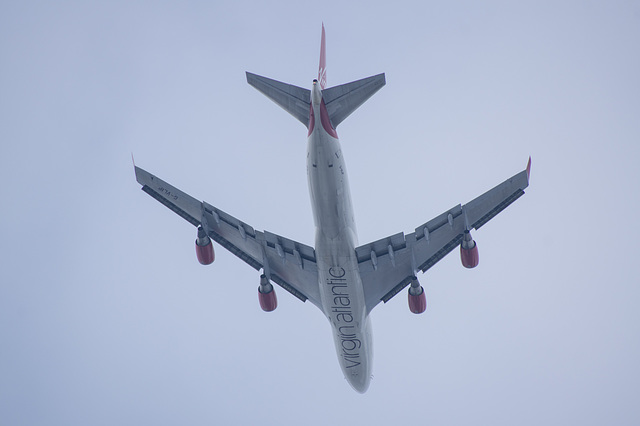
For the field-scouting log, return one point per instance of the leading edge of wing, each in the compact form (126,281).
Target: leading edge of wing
(286,262)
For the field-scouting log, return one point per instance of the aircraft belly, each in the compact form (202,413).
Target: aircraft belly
(329,185)
(341,290)
(344,305)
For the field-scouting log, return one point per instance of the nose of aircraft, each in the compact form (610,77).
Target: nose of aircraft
(359,380)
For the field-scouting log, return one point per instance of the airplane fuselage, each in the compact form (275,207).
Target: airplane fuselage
(341,288)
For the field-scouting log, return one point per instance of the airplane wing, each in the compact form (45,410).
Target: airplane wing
(387,266)
(289,264)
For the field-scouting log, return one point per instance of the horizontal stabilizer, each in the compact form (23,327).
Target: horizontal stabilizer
(295,100)
(342,100)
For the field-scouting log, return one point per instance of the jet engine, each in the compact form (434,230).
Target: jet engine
(267,295)
(417,298)
(204,248)
(469,251)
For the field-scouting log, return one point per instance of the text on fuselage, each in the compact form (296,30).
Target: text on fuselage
(343,317)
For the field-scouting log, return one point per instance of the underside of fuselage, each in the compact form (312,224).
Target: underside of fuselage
(341,289)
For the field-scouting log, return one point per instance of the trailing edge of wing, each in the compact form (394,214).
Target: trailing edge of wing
(293,99)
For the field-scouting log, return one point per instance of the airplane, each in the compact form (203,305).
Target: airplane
(344,279)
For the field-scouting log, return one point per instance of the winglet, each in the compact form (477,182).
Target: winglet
(528,168)
(134,163)
(322,69)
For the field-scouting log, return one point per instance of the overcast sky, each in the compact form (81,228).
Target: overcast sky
(107,318)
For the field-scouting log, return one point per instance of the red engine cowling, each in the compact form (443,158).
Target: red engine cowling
(469,252)
(417,298)
(204,248)
(267,295)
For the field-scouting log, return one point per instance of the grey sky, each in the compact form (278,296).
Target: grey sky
(107,318)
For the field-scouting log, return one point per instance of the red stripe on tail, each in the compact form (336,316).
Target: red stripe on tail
(322,70)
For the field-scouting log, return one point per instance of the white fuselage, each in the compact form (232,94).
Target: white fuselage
(341,288)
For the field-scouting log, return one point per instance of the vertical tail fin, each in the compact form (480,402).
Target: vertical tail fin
(340,101)
(322,69)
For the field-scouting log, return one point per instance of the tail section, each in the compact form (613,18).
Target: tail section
(340,101)
(295,100)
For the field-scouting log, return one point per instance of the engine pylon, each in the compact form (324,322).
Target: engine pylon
(417,298)
(469,251)
(204,248)
(267,295)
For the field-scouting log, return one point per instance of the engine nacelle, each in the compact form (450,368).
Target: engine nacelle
(204,248)
(417,298)
(469,251)
(267,295)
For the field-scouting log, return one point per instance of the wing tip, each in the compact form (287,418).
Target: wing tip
(135,168)
(529,169)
